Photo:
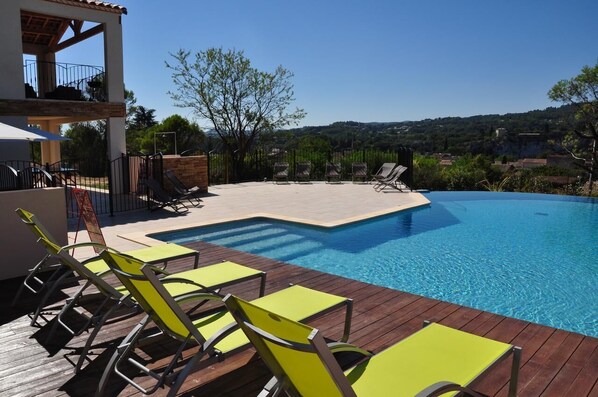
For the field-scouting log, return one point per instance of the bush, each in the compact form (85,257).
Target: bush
(427,174)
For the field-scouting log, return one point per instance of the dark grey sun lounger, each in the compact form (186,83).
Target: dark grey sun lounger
(333,172)
(392,180)
(359,171)
(303,171)
(184,193)
(383,172)
(160,198)
(281,172)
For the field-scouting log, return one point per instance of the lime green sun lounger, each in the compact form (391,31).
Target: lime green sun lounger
(181,285)
(35,283)
(433,361)
(215,332)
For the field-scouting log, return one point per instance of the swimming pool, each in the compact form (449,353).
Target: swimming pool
(528,256)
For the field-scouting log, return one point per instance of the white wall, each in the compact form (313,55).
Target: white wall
(12,85)
(18,246)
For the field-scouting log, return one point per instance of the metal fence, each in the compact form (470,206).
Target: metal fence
(59,80)
(259,164)
(117,186)
(113,186)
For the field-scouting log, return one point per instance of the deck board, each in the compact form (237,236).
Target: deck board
(554,362)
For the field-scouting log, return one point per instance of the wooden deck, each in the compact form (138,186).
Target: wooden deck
(554,362)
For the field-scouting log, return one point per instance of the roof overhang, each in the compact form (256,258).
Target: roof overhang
(44,33)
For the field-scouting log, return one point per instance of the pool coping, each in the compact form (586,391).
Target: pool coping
(143,238)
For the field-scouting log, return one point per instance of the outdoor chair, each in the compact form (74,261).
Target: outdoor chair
(302,171)
(36,283)
(184,193)
(215,331)
(333,172)
(182,285)
(161,198)
(93,270)
(383,172)
(392,180)
(359,171)
(9,178)
(430,362)
(281,172)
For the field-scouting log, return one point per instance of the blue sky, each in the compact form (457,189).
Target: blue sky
(369,60)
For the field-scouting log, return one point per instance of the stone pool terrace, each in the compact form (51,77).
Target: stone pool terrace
(554,362)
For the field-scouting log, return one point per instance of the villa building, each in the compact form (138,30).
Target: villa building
(36,89)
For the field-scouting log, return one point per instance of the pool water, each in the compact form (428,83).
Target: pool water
(528,256)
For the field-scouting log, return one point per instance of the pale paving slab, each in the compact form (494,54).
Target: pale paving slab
(317,203)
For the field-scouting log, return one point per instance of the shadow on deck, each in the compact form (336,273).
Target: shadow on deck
(554,362)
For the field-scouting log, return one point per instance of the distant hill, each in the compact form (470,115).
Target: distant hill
(457,135)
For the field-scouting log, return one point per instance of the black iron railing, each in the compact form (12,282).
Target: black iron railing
(116,186)
(112,186)
(66,81)
(258,165)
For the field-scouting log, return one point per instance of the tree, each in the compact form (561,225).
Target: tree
(143,118)
(240,101)
(189,137)
(88,141)
(581,92)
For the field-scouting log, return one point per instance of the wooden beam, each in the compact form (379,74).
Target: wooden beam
(59,33)
(76,26)
(34,49)
(49,109)
(78,38)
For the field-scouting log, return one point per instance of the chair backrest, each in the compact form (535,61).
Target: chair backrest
(295,353)
(303,168)
(281,169)
(394,174)
(34,177)
(385,170)
(9,178)
(67,260)
(397,172)
(359,169)
(159,193)
(176,182)
(333,169)
(144,286)
(37,229)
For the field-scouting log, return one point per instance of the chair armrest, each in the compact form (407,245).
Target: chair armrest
(338,347)
(79,245)
(218,336)
(440,388)
(200,287)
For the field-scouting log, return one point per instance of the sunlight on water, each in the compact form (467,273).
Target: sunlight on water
(532,257)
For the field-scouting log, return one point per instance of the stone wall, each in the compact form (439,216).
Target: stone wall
(191,170)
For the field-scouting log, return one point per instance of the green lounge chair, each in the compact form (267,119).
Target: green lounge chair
(36,284)
(180,285)
(215,332)
(431,362)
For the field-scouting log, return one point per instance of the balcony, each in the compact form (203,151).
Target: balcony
(62,93)
(64,81)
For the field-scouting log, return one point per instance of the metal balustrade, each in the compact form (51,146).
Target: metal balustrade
(65,81)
